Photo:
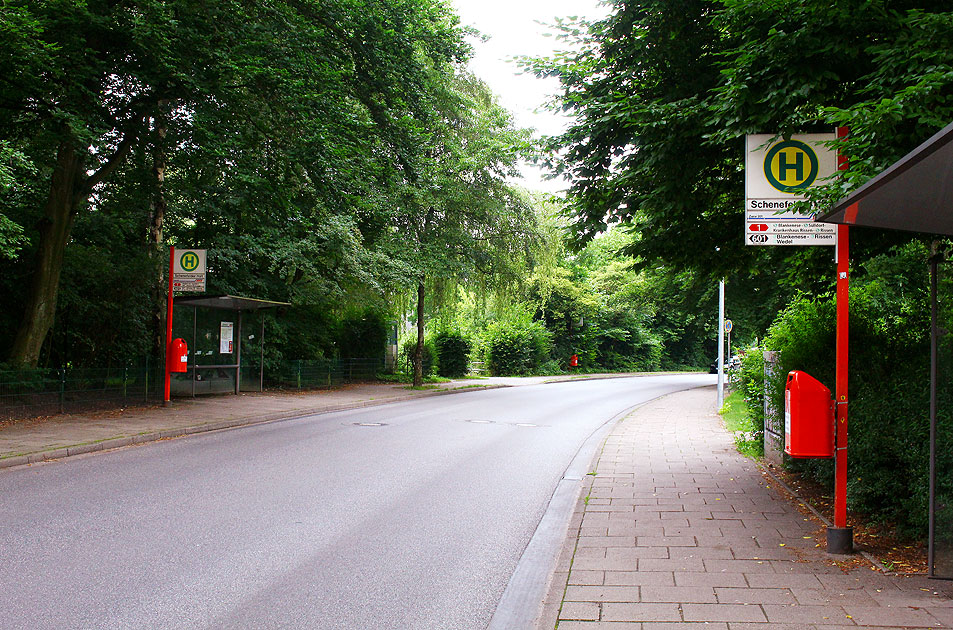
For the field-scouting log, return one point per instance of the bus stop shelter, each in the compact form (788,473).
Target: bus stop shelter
(221,344)
(916,194)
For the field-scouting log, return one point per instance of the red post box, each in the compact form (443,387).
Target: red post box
(808,417)
(178,356)
(574,360)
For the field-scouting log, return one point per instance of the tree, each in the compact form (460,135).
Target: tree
(301,100)
(663,91)
(457,216)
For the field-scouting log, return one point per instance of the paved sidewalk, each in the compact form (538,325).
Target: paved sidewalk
(678,530)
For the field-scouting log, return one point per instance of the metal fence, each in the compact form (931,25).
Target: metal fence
(43,392)
(317,374)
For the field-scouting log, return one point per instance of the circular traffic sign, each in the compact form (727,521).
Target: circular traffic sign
(727,325)
(791,166)
(189,261)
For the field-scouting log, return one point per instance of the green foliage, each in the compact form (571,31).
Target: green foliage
(662,92)
(363,335)
(888,380)
(406,358)
(516,347)
(749,438)
(453,353)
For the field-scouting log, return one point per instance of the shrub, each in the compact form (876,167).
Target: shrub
(888,384)
(363,335)
(407,353)
(516,347)
(453,354)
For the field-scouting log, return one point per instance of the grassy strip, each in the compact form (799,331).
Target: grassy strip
(737,420)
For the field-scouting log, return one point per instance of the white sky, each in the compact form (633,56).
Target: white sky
(514,30)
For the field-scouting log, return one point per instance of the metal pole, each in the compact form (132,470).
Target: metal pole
(168,331)
(934,338)
(840,538)
(721,343)
(238,355)
(261,364)
(195,328)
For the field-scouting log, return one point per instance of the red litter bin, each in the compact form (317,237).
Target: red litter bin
(808,417)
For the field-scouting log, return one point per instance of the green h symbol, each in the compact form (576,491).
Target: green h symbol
(784,166)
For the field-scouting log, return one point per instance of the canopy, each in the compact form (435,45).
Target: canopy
(229,302)
(915,194)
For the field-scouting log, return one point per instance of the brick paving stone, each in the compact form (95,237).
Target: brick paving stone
(637,552)
(734,595)
(722,612)
(602,594)
(700,552)
(907,617)
(579,610)
(605,564)
(710,579)
(821,597)
(640,612)
(640,578)
(739,566)
(599,625)
(943,615)
(672,564)
(683,625)
(818,615)
(679,594)
(590,578)
(763,580)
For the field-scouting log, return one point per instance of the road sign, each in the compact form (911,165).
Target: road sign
(727,325)
(188,270)
(777,172)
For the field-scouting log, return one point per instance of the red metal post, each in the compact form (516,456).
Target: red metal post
(168,331)
(840,393)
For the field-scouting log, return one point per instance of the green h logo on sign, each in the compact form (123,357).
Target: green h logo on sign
(791,166)
(189,261)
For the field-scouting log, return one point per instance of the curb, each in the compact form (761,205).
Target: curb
(220,425)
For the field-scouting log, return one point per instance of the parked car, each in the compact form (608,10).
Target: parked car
(731,363)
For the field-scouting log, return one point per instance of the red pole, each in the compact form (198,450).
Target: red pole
(841,541)
(168,331)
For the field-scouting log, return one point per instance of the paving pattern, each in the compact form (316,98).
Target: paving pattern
(676,530)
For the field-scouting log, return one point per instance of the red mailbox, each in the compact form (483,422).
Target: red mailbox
(808,417)
(178,356)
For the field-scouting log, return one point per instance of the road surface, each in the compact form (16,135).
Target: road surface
(407,516)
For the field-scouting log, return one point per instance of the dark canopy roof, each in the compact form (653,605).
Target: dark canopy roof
(914,194)
(229,302)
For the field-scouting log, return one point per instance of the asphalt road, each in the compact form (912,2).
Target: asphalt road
(318,522)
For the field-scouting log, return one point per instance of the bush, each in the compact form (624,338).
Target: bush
(363,335)
(407,352)
(453,354)
(515,347)
(888,384)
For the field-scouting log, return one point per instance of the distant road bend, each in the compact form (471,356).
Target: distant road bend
(409,516)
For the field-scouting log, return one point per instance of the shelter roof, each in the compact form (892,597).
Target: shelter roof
(228,302)
(914,194)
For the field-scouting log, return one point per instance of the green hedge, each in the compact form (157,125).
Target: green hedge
(516,348)
(888,384)
(453,354)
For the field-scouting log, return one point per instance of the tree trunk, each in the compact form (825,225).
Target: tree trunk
(157,209)
(419,350)
(55,227)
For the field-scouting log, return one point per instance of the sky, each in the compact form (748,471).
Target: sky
(514,29)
